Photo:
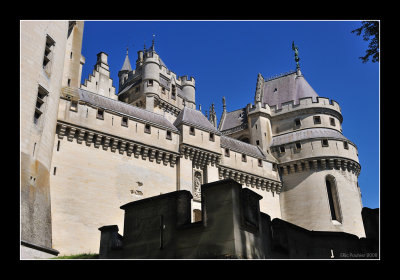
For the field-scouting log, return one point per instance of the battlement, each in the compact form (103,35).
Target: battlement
(305,103)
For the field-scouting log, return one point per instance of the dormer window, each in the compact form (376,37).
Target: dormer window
(212,137)
(191,131)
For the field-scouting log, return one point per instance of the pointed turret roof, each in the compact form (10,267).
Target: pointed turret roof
(127,64)
(292,86)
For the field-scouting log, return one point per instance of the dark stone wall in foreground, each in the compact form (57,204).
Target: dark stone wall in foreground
(232,226)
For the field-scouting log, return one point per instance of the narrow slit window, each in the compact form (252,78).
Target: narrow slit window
(169,135)
(260,163)
(58,145)
(257,142)
(333,199)
(346,145)
(297,122)
(192,131)
(244,158)
(55,170)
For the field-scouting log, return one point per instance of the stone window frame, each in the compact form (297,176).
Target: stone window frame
(260,164)
(317,119)
(297,125)
(124,121)
(192,130)
(168,135)
(173,92)
(244,158)
(325,143)
(40,106)
(48,54)
(147,128)
(212,137)
(227,152)
(332,121)
(345,145)
(333,200)
(73,106)
(100,114)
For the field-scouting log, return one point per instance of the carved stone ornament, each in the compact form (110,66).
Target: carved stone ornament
(197,182)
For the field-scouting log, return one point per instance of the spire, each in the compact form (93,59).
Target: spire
(127,65)
(223,103)
(152,43)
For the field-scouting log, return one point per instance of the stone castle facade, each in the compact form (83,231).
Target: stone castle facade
(87,149)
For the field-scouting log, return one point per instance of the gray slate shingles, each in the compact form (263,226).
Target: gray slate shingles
(126,109)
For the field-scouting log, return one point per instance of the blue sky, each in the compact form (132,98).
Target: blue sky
(225,57)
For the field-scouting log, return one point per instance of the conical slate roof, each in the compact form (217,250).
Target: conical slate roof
(286,88)
(127,64)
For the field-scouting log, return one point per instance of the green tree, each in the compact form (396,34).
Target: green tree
(370,30)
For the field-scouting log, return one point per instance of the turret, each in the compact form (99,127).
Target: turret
(123,73)
(188,88)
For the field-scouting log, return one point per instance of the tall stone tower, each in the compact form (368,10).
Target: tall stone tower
(154,87)
(43,51)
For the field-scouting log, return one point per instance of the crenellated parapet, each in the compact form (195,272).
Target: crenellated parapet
(320,163)
(322,105)
(249,179)
(115,144)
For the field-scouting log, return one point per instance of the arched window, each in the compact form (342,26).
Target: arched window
(333,198)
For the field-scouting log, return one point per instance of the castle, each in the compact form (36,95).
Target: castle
(87,149)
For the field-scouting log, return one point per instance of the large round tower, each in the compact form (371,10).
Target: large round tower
(318,166)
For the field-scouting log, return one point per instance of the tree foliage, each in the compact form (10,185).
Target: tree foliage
(370,30)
